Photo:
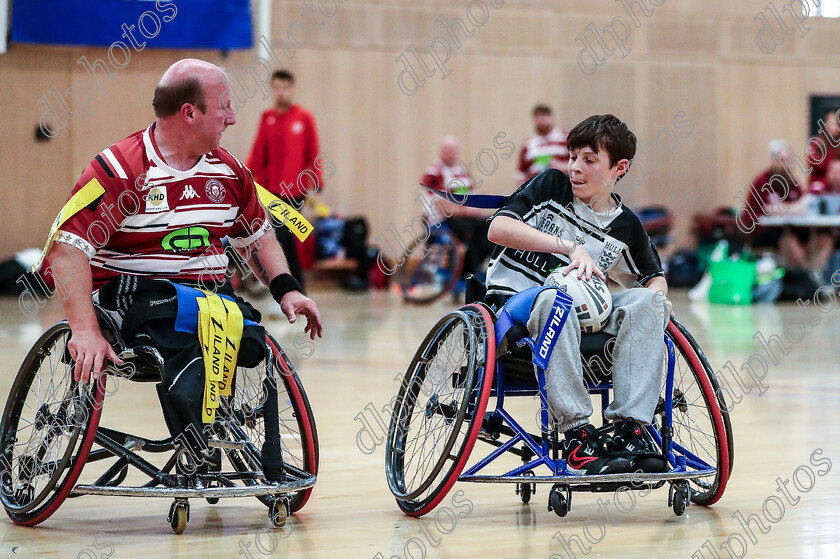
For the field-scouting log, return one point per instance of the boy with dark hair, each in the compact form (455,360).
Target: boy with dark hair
(576,221)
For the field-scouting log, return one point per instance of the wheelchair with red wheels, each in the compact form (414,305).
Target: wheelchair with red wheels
(469,357)
(50,432)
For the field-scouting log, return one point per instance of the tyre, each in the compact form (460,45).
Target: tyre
(298,435)
(699,425)
(47,429)
(440,408)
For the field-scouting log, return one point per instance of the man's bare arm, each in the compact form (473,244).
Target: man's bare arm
(74,285)
(265,258)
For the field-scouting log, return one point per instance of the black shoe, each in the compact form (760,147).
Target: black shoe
(585,454)
(633,442)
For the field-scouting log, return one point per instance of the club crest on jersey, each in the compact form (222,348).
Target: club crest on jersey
(214,190)
(156,200)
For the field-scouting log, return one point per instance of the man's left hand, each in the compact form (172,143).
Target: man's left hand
(295,303)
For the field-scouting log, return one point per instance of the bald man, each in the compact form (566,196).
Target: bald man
(446,175)
(146,222)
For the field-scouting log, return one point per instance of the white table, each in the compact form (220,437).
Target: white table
(813,222)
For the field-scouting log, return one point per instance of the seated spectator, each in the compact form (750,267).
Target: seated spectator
(823,149)
(831,182)
(776,192)
(468,224)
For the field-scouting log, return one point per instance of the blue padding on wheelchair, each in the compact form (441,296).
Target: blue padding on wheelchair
(187,319)
(518,310)
(487,201)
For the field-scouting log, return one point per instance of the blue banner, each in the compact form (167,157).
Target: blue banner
(137,24)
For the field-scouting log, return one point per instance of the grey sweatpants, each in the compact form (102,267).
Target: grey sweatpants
(638,321)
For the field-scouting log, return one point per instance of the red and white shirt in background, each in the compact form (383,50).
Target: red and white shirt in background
(539,153)
(443,178)
(159,222)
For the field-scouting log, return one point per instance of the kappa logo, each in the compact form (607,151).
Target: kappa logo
(189,193)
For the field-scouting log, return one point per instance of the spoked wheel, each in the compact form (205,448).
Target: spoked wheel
(298,435)
(701,430)
(48,427)
(437,268)
(440,408)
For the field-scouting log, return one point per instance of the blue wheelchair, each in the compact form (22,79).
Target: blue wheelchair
(434,267)
(469,357)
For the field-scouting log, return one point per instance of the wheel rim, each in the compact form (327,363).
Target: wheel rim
(298,437)
(697,422)
(47,433)
(432,430)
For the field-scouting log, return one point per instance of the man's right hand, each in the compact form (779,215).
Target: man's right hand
(90,350)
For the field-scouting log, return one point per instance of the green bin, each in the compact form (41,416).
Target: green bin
(732,281)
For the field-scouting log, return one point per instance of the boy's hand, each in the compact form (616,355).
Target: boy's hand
(583,263)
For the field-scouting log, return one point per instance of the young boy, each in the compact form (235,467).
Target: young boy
(576,221)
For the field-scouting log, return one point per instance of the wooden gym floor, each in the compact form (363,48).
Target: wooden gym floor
(790,432)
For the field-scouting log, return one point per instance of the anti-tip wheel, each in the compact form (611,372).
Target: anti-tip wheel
(278,512)
(179,515)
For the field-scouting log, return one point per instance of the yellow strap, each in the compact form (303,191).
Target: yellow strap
(81,199)
(321,209)
(287,215)
(220,327)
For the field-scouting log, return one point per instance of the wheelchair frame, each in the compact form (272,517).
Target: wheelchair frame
(543,450)
(144,364)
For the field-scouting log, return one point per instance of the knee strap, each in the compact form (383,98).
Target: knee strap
(518,310)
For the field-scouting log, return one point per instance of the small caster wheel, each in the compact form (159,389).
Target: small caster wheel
(212,500)
(179,515)
(526,490)
(558,502)
(682,498)
(278,512)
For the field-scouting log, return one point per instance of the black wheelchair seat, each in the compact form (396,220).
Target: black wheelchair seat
(142,364)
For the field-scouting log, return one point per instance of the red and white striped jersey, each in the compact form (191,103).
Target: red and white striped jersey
(443,178)
(156,221)
(539,153)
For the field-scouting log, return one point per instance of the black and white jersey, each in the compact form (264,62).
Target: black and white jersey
(617,240)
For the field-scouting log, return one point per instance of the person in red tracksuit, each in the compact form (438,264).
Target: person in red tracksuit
(283,157)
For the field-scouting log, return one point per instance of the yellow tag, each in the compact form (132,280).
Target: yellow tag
(81,199)
(220,325)
(287,215)
(321,209)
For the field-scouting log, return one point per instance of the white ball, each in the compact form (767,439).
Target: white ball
(592,299)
